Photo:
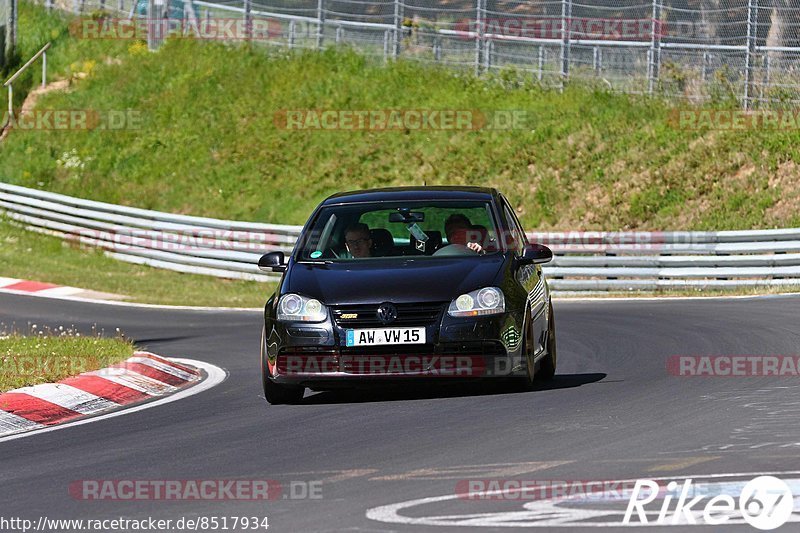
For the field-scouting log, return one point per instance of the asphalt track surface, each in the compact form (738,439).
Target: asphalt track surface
(613,412)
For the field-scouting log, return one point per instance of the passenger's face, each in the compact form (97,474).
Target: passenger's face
(358,243)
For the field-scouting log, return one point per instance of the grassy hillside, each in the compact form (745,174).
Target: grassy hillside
(208,145)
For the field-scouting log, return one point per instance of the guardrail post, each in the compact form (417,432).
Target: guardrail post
(386,38)
(566,23)
(706,64)
(339,33)
(479,31)
(488,48)
(248,20)
(320,22)
(398,28)
(437,48)
(44,68)
(291,34)
(766,81)
(750,51)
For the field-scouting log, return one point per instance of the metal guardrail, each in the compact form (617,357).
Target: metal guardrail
(584,261)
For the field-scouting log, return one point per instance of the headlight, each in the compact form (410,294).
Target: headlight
(296,308)
(486,301)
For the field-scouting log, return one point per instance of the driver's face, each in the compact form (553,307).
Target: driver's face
(358,243)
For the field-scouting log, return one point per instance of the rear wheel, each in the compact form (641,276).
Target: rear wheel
(547,368)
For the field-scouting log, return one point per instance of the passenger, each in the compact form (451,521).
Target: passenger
(458,229)
(358,241)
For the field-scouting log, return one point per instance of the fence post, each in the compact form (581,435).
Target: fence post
(48,4)
(488,47)
(385,45)
(11,32)
(749,57)
(398,28)
(566,18)
(706,62)
(766,81)
(291,34)
(120,5)
(151,27)
(479,27)
(654,63)
(541,63)
(320,22)
(248,20)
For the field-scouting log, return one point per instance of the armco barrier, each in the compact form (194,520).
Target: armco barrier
(584,261)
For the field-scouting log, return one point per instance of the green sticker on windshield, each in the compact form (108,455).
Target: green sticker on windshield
(316,254)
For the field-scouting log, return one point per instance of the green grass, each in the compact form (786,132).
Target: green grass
(587,159)
(208,145)
(46,356)
(28,255)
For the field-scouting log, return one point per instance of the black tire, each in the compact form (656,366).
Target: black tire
(275,393)
(547,367)
(526,382)
(282,394)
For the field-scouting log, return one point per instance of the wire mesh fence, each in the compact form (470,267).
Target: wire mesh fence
(696,50)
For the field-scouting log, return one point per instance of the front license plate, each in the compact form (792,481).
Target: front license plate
(383,336)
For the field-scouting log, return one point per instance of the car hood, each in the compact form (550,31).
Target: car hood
(399,281)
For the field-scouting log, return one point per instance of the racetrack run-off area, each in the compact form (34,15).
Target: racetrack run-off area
(613,412)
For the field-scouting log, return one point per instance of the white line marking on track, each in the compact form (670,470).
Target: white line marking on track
(215,376)
(537,514)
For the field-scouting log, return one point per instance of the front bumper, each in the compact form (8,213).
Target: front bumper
(465,348)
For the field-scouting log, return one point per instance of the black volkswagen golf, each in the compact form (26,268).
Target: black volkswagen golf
(411,282)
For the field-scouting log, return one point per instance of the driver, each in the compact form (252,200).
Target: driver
(458,228)
(358,240)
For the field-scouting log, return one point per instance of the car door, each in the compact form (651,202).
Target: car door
(529,278)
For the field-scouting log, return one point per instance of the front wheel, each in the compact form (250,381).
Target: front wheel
(526,382)
(282,394)
(276,393)
(547,368)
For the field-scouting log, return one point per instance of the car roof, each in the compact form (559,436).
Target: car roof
(413,193)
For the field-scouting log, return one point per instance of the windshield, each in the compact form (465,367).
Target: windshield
(400,229)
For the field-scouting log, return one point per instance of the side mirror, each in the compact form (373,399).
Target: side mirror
(536,254)
(272,262)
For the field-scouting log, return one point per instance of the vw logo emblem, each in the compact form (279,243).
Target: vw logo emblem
(387,313)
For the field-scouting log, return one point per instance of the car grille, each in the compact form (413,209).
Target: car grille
(415,314)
